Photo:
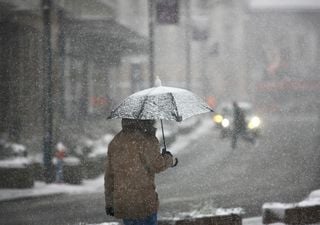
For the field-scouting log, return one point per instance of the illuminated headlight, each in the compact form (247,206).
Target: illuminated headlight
(254,122)
(225,122)
(217,118)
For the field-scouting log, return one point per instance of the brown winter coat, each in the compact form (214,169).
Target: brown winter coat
(133,159)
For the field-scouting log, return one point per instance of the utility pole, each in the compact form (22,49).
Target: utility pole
(151,41)
(47,93)
(62,52)
(188,44)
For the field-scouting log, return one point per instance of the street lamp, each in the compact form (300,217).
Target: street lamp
(188,44)
(47,93)
(151,41)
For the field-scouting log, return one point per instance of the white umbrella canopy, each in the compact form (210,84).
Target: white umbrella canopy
(164,103)
(161,103)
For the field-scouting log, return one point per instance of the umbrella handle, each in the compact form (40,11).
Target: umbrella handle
(164,140)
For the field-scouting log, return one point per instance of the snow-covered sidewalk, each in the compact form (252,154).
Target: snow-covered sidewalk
(43,189)
(93,185)
(249,221)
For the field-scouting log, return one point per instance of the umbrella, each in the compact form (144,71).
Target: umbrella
(161,102)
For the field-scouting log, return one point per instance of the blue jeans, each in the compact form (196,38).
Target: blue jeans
(59,171)
(150,220)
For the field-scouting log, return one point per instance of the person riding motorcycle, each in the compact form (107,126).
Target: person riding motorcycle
(239,124)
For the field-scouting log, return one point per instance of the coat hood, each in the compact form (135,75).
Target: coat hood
(146,126)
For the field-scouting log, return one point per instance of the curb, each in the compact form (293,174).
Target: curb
(25,198)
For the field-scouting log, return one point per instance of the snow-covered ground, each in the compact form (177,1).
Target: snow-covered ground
(96,185)
(93,185)
(43,189)
(250,221)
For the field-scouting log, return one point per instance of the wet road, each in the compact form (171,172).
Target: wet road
(284,166)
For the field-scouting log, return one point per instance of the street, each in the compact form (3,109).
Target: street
(282,167)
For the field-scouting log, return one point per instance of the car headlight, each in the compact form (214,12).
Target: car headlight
(217,118)
(225,123)
(254,122)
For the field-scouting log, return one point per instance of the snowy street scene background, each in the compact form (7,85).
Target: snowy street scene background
(66,64)
(214,178)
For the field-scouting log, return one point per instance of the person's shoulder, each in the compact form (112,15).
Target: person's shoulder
(115,139)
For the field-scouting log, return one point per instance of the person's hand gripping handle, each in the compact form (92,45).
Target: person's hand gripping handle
(175,160)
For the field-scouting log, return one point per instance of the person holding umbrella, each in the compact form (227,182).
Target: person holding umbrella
(133,159)
(134,154)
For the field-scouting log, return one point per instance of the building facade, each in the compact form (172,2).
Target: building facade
(283,55)
(88,46)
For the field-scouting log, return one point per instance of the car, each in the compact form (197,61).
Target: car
(223,119)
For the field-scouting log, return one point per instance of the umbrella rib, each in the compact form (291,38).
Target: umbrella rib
(143,104)
(114,110)
(178,118)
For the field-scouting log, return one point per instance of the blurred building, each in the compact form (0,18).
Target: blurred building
(202,50)
(226,55)
(88,48)
(234,50)
(283,51)
(220,49)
